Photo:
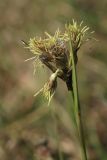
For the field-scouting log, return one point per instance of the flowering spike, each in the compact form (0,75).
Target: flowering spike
(53,52)
(49,88)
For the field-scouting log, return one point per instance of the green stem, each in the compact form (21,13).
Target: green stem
(77,108)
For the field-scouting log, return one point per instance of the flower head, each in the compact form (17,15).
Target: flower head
(78,34)
(49,88)
(53,52)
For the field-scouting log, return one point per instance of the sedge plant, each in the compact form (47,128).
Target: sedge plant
(59,54)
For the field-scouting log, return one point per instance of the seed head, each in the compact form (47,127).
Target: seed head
(53,52)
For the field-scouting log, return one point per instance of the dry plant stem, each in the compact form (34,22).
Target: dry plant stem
(77,108)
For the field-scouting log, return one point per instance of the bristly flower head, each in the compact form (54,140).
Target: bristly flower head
(53,52)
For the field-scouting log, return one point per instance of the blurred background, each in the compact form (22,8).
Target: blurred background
(29,130)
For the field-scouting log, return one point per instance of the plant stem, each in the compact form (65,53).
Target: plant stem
(77,108)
